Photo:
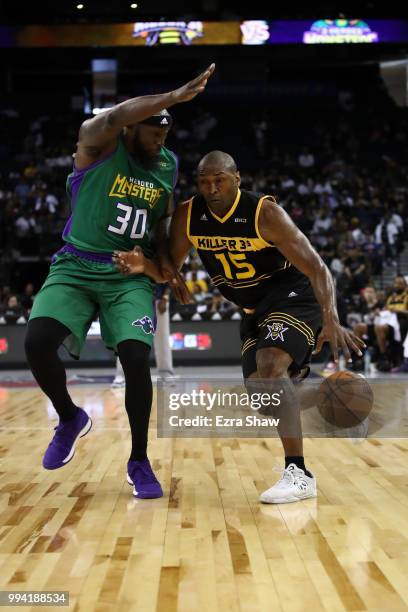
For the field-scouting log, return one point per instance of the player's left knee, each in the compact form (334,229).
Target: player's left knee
(273,363)
(134,357)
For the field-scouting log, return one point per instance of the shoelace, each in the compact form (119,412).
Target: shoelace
(293,476)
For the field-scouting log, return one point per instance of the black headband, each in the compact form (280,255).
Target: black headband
(162,119)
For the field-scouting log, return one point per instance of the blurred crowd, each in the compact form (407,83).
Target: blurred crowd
(339,173)
(16,308)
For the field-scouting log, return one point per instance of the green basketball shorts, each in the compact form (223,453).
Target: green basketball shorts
(77,291)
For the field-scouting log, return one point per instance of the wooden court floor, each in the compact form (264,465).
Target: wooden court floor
(208,545)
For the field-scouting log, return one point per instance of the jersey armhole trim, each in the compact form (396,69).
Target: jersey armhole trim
(257,213)
(190,206)
(78,171)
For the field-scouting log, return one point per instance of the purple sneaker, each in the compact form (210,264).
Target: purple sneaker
(403,368)
(145,483)
(61,449)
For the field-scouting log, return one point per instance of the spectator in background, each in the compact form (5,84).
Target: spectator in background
(24,224)
(386,325)
(397,302)
(356,269)
(22,190)
(46,202)
(5,293)
(13,312)
(369,305)
(397,220)
(219,307)
(323,222)
(197,287)
(336,267)
(306,159)
(386,233)
(195,267)
(27,298)
(357,233)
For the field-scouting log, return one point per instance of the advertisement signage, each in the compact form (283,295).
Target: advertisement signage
(190,33)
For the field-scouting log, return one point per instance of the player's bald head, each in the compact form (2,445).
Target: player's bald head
(218,179)
(217,161)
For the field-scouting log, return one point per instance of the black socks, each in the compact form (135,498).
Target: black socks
(299,461)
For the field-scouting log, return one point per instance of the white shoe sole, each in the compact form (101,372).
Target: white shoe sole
(288,500)
(130,481)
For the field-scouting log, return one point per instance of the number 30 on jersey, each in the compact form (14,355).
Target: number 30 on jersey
(138,225)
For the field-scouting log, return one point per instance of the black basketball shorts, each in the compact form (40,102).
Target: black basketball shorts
(291,324)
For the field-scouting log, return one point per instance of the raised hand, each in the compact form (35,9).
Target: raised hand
(192,88)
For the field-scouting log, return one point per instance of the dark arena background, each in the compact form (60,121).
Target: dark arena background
(311,101)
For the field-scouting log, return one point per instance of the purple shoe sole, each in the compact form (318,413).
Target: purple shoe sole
(71,454)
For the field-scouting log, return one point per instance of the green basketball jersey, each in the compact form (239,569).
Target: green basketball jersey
(115,203)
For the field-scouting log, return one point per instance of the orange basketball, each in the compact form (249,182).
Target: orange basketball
(345,399)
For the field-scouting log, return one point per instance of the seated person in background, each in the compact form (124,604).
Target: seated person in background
(196,286)
(219,305)
(13,312)
(27,298)
(370,303)
(386,325)
(370,306)
(194,266)
(397,302)
(356,269)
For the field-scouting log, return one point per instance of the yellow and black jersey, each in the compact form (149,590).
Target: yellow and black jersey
(243,266)
(398,301)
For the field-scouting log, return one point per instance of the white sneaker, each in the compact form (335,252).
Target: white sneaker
(118,382)
(165,374)
(292,486)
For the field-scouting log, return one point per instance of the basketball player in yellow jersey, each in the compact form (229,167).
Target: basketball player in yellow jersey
(260,260)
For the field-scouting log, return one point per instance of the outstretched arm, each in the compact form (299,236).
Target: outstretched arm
(98,136)
(275,226)
(134,262)
(161,242)
(179,245)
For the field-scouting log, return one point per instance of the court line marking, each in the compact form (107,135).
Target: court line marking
(49,428)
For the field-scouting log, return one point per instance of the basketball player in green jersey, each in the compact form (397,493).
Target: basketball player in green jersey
(120,193)
(261,261)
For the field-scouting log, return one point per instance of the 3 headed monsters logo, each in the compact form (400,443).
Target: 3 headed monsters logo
(146,324)
(276,331)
